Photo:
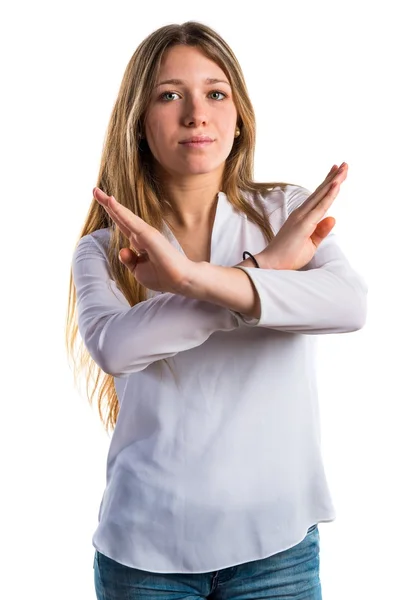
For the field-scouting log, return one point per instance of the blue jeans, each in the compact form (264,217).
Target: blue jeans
(292,574)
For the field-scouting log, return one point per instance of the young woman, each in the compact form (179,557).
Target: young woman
(198,294)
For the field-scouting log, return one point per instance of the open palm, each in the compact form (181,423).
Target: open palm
(155,263)
(298,239)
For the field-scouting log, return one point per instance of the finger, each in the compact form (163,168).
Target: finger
(324,194)
(119,222)
(322,230)
(318,212)
(125,231)
(128,258)
(126,220)
(109,206)
(100,196)
(141,235)
(325,203)
(335,171)
(328,179)
(334,168)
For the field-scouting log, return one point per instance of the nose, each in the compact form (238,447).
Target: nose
(195,112)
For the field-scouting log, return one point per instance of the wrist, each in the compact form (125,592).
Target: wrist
(228,287)
(197,280)
(264,260)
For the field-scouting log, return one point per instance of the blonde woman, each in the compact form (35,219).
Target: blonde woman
(198,294)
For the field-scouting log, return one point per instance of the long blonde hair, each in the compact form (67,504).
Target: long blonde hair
(126,172)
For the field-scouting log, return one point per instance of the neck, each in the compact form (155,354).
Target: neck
(192,201)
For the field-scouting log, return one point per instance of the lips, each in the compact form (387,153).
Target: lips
(197,139)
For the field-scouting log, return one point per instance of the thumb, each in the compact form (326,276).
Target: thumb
(323,229)
(128,258)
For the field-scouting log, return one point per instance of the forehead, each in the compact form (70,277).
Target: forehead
(180,60)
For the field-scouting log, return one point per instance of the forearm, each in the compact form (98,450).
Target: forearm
(327,296)
(123,339)
(228,287)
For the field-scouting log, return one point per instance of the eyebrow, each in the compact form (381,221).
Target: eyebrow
(209,80)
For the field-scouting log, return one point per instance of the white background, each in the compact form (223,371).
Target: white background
(323,78)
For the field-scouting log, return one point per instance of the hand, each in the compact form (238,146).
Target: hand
(155,263)
(298,239)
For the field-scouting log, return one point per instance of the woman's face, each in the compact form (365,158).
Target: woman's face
(198,102)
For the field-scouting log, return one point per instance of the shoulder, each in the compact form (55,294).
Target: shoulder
(282,197)
(95,242)
(100,237)
(295,196)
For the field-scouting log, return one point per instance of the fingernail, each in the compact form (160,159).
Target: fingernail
(101,195)
(94,189)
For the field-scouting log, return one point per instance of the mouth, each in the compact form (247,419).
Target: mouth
(196,144)
(197,139)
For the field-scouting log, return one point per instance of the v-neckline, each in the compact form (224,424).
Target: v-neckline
(221,199)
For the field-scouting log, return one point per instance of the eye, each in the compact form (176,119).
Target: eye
(165,95)
(220,93)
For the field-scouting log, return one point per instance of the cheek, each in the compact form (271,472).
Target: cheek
(227,122)
(227,129)
(156,134)
(154,130)
(155,124)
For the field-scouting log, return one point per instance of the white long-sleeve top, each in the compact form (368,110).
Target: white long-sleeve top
(215,459)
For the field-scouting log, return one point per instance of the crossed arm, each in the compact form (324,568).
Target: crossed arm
(322,295)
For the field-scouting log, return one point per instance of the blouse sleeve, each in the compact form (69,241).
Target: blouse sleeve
(122,339)
(325,296)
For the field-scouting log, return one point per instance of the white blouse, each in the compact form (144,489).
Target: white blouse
(215,459)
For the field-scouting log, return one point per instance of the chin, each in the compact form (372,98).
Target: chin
(199,171)
(201,167)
